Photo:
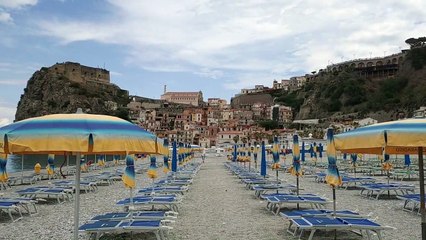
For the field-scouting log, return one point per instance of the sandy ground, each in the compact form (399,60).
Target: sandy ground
(217,206)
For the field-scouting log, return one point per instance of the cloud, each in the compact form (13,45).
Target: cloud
(5,17)
(13,82)
(17,4)
(7,114)
(273,38)
(4,122)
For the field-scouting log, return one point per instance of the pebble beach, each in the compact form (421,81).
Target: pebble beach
(217,206)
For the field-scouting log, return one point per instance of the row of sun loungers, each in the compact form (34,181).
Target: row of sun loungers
(144,213)
(308,221)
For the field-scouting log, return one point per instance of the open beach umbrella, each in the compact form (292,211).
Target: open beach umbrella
(263,161)
(174,157)
(76,134)
(303,152)
(3,173)
(333,177)
(296,169)
(406,136)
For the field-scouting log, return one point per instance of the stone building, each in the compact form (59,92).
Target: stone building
(296,82)
(79,73)
(190,98)
(284,84)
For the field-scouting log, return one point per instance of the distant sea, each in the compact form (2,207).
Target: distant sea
(14,162)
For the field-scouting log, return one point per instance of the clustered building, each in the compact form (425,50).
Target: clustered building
(185,117)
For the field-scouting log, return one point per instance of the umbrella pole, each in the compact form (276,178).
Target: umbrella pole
(422,192)
(297,188)
(77,195)
(334,201)
(22,169)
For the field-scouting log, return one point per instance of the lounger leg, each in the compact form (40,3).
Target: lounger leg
(311,236)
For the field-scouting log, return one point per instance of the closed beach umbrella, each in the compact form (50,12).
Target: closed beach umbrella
(345,156)
(333,177)
(152,170)
(311,150)
(166,157)
(263,160)
(76,134)
(303,152)
(83,166)
(354,158)
(407,161)
(387,166)
(174,157)
(37,168)
(3,173)
(320,149)
(234,155)
(129,175)
(406,136)
(50,165)
(275,155)
(296,169)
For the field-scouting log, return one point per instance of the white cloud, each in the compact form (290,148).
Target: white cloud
(209,38)
(4,122)
(5,17)
(16,4)
(13,82)
(7,114)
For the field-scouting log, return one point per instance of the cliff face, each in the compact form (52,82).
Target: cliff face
(46,93)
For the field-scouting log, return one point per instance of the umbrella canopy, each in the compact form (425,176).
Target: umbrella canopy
(320,149)
(234,155)
(296,170)
(50,164)
(129,173)
(303,151)
(333,177)
(3,173)
(37,168)
(77,133)
(152,170)
(354,157)
(263,160)
(166,157)
(275,154)
(174,157)
(396,137)
(387,166)
(83,133)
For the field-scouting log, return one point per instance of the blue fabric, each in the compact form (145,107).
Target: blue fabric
(303,152)
(174,158)
(234,157)
(407,161)
(263,161)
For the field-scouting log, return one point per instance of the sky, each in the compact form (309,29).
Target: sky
(216,46)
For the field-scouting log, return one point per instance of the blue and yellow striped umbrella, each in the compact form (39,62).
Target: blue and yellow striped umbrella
(333,177)
(296,169)
(263,160)
(129,173)
(387,166)
(354,158)
(3,173)
(275,154)
(152,170)
(166,157)
(50,164)
(83,133)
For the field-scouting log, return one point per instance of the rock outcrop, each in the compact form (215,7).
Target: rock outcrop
(47,93)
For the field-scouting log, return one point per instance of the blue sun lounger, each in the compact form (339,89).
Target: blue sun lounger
(97,228)
(318,213)
(411,199)
(47,192)
(28,204)
(163,189)
(87,186)
(172,182)
(265,188)
(313,224)
(353,181)
(377,189)
(138,215)
(169,201)
(276,202)
(10,207)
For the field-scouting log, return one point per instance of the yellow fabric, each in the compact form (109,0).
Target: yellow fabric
(49,170)
(333,181)
(387,166)
(152,173)
(37,168)
(276,166)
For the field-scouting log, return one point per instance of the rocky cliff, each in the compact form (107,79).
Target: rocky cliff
(48,93)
